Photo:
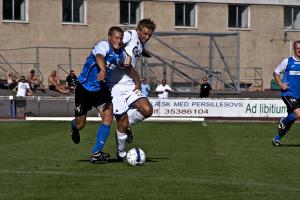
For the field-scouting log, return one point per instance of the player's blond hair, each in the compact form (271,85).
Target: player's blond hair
(148,23)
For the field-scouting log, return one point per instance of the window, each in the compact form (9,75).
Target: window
(184,14)
(73,11)
(238,16)
(130,12)
(292,18)
(14,10)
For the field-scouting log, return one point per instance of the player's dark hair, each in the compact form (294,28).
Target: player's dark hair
(115,29)
(148,23)
(296,42)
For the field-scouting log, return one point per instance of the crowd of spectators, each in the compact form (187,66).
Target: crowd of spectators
(67,86)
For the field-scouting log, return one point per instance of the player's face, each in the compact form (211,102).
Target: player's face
(116,40)
(297,50)
(144,34)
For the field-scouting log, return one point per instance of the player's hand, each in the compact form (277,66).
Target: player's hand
(284,86)
(101,76)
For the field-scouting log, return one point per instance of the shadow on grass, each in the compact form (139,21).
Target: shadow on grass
(115,160)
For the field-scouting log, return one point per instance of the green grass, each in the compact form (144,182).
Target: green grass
(184,161)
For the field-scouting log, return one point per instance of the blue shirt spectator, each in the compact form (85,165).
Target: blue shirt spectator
(145,87)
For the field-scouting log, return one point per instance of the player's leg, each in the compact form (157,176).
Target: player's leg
(141,110)
(286,122)
(121,93)
(81,108)
(121,135)
(102,134)
(77,124)
(103,104)
(104,128)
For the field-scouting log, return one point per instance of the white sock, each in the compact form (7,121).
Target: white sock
(134,116)
(121,143)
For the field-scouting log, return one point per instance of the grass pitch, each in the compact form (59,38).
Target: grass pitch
(184,161)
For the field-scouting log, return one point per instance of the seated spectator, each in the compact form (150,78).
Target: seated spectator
(34,82)
(163,90)
(71,80)
(11,80)
(54,83)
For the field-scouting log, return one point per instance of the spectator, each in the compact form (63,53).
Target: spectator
(205,89)
(34,82)
(22,90)
(11,80)
(54,83)
(71,80)
(163,90)
(145,87)
(152,84)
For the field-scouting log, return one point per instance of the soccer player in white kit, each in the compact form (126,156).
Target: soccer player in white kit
(129,104)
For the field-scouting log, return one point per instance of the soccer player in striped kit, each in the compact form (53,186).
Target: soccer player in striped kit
(92,89)
(290,91)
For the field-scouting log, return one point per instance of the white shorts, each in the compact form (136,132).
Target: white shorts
(123,96)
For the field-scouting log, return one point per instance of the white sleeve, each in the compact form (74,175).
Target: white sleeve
(281,67)
(101,48)
(127,37)
(129,42)
(27,86)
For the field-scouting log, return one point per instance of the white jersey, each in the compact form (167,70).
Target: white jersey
(133,48)
(122,90)
(22,89)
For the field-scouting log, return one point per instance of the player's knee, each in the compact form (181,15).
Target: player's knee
(297,115)
(147,111)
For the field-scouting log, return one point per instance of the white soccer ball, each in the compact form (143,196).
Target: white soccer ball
(136,157)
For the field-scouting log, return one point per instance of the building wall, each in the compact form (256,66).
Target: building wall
(263,45)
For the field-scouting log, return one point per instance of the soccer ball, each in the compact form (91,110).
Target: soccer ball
(136,157)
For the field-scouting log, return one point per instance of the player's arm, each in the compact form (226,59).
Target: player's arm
(277,78)
(276,74)
(132,73)
(101,63)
